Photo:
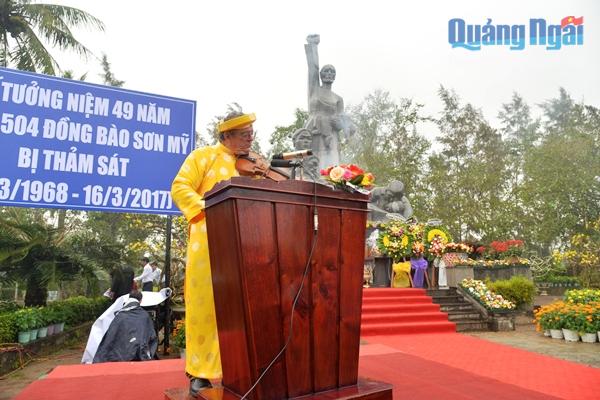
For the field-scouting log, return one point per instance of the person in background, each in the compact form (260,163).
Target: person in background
(121,282)
(157,276)
(147,275)
(200,172)
(130,336)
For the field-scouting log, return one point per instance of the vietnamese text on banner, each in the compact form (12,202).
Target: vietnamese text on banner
(72,144)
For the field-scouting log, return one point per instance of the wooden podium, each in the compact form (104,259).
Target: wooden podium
(260,237)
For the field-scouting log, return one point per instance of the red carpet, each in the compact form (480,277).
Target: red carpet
(423,366)
(109,381)
(401,311)
(464,367)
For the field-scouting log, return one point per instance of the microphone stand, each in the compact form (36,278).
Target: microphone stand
(294,164)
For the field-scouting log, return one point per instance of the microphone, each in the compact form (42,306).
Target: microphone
(281,163)
(293,154)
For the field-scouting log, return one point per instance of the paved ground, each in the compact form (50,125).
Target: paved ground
(525,337)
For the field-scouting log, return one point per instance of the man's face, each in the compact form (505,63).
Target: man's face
(239,140)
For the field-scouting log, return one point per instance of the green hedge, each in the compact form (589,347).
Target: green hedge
(517,289)
(8,328)
(8,306)
(72,311)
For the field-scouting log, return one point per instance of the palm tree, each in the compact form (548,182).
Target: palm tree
(26,28)
(37,253)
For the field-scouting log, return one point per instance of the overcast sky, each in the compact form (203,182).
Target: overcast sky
(251,52)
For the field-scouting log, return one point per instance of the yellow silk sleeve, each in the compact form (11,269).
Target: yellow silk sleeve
(186,185)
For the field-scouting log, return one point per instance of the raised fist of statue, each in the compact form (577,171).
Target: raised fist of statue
(313,39)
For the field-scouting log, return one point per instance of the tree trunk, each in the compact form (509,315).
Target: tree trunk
(62,216)
(37,292)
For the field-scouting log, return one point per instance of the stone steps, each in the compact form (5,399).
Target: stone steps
(466,317)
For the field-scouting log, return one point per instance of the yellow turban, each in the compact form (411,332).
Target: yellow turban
(240,122)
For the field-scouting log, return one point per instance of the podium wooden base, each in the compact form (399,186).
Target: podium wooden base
(365,389)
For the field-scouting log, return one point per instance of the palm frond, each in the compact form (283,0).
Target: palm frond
(70,15)
(40,55)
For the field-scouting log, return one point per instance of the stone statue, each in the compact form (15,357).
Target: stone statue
(325,108)
(397,202)
(389,203)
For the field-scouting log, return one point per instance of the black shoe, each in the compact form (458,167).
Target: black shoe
(197,385)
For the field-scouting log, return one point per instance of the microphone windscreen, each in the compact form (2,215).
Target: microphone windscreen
(281,163)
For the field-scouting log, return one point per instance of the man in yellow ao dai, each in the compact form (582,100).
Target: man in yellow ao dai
(201,170)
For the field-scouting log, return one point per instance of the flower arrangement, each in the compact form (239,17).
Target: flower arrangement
(349,177)
(582,296)
(582,255)
(508,248)
(435,239)
(402,240)
(375,224)
(549,316)
(490,300)
(493,263)
(178,335)
(458,248)
(396,240)
(583,318)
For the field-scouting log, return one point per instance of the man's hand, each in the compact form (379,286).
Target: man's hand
(313,39)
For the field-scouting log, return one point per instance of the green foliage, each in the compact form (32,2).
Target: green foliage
(551,319)
(76,310)
(517,289)
(559,279)
(34,251)
(281,138)
(468,174)
(388,144)
(107,76)
(8,306)
(582,296)
(26,26)
(8,327)
(178,336)
(25,320)
(72,311)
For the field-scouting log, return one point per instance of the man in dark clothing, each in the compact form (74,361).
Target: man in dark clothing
(122,281)
(130,336)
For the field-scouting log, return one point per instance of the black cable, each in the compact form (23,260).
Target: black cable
(305,274)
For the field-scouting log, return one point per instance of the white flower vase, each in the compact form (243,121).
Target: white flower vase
(547,333)
(570,335)
(556,334)
(588,337)
(182,353)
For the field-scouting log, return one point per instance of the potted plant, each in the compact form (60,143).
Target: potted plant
(58,316)
(550,318)
(589,322)
(571,323)
(35,320)
(178,337)
(24,323)
(587,336)
(50,316)
(43,328)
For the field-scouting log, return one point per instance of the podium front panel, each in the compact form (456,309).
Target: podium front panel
(260,237)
